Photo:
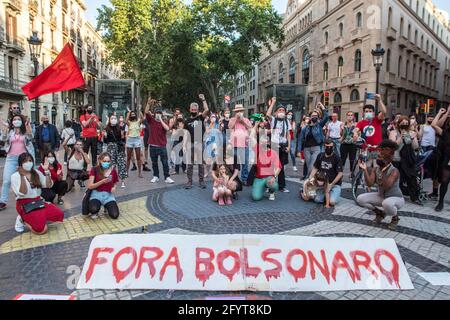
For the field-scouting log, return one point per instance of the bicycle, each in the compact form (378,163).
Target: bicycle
(358,182)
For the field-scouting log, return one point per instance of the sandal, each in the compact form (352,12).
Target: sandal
(221,201)
(379,216)
(393,224)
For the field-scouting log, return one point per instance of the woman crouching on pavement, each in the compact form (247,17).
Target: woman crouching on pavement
(27,185)
(59,187)
(387,177)
(102,182)
(77,163)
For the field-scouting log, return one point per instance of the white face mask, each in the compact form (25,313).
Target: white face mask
(227,115)
(51,160)
(17,123)
(289,117)
(27,166)
(281,115)
(113,122)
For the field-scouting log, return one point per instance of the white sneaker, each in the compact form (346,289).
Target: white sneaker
(169,180)
(20,227)
(123,185)
(94,216)
(154,180)
(295,169)
(285,190)
(272,197)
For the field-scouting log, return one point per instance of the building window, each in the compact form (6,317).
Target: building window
(305,67)
(325,71)
(354,96)
(358,61)
(340,66)
(388,60)
(326,37)
(359,20)
(341,29)
(337,98)
(401,27)
(327,5)
(407,69)
(390,17)
(399,69)
(280,73)
(416,34)
(292,70)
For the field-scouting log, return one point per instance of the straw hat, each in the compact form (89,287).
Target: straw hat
(238,108)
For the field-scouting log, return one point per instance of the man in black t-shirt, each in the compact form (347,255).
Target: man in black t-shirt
(195,125)
(330,163)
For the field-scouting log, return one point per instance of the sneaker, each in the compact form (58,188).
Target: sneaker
(169,180)
(134,167)
(284,190)
(272,197)
(123,185)
(439,207)
(3,206)
(145,168)
(379,216)
(418,202)
(19,226)
(94,216)
(202,185)
(188,186)
(393,224)
(295,169)
(154,180)
(60,201)
(65,163)
(81,183)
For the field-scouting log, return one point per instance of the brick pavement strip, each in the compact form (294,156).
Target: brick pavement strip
(133,214)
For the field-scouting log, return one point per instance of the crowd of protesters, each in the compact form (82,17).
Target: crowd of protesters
(235,150)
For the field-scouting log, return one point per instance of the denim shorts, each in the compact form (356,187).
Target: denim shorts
(335,195)
(102,196)
(134,142)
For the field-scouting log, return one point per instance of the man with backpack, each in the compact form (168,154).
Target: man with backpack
(280,129)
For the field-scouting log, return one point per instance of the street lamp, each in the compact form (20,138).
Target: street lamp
(378,55)
(35,52)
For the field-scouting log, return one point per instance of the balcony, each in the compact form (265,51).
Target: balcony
(53,22)
(73,35)
(15,44)
(65,6)
(33,7)
(353,79)
(403,42)
(15,5)
(392,34)
(93,70)
(339,43)
(65,30)
(54,50)
(323,51)
(11,86)
(80,63)
(356,34)
(335,82)
(391,79)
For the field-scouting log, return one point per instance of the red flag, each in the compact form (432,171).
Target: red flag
(62,75)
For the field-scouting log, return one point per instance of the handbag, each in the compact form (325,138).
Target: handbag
(33,206)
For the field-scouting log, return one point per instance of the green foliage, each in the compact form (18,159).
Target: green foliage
(176,51)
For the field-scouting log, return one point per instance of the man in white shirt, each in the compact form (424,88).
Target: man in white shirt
(335,128)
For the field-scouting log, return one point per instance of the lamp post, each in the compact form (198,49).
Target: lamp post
(378,55)
(35,52)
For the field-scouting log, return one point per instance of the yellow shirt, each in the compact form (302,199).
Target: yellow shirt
(134,129)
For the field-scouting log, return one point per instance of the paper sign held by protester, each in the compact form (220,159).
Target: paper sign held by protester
(243,262)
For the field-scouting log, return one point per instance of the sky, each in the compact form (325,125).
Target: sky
(280,6)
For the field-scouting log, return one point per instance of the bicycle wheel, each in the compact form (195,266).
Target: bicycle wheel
(358,185)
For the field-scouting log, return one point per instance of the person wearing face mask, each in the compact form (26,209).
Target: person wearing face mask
(405,158)
(312,138)
(239,135)
(370,129)
(18,139)
(387,178)
(329,163)
(27,184)
(89,122)
(427,138)
(133,140)
(158,143)
(442,126)
(195,125)
(114,139)
(77,163)
(280,127)
(59,187)
(335,129)
(68,134)
(213,142)
(348,146)
(102,182)
(292,152)
(47,137)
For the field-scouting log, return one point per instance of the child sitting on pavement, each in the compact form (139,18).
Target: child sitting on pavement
(221,193)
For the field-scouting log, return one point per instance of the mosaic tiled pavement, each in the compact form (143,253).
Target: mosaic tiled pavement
(51,264)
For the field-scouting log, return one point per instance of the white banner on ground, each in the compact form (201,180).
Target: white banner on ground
(243,262)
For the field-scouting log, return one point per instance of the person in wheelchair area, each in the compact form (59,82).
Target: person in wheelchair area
(387,177)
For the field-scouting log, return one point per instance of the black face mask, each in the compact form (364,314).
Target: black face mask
(90,111)
(133,118)
(46,122)
(430,121)
(328,151)
(194,114)
(314,120)
(404,127)
(381,163)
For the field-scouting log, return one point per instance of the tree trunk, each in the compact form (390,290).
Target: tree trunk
(212,91)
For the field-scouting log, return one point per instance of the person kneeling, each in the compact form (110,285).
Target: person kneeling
(102,181)
(50,164)
(329,163)
(27,185)
(386,176)
(312,185)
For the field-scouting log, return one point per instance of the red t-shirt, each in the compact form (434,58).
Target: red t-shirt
(268,162)
(107,187)
(91,130)
(53,171)
(157,133)
(371,130)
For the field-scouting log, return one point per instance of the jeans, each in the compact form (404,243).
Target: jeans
(372,200)
(311,154)
(156,152)
(241,157)
(10,167)
(259,185)
(292,152)
(335,195)
(337,146)
(348,150)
